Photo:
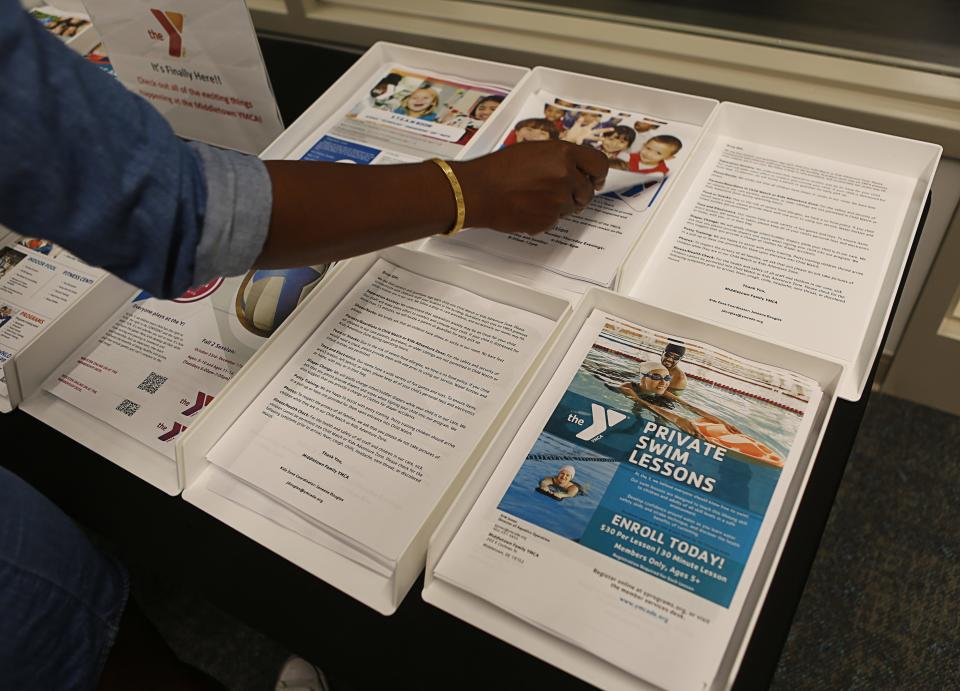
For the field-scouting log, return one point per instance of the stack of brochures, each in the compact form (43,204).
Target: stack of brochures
(151,368)
(596,439)
(643,152)
(635,502)
(363,429)
(44,290)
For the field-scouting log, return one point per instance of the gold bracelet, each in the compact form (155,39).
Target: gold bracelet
(457,195)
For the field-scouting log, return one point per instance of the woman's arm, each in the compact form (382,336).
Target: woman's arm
(328,211)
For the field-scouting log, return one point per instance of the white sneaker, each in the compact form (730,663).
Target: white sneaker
(299,675)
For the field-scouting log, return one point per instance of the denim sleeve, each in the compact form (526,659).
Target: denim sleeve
(239,202)
(88,164)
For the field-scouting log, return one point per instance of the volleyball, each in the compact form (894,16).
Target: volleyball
(267,296)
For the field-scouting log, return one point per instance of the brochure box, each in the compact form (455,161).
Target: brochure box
(581,88)
(32,364)
(380,592)
(150,465)
(830,143)
(338,100)
(133,456)
(524,635)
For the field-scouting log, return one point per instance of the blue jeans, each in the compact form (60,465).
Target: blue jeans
(61,599)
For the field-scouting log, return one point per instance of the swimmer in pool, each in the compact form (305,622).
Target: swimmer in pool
(560,486)
(654,381)
(651,392)
(672,355)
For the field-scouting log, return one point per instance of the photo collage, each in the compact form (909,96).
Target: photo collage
(406,115)
(643,150)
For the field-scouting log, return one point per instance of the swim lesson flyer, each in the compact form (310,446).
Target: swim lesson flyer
(637,498)
(644,152)
(406,115)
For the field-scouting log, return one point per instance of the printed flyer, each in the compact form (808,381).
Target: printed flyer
(39,281)
(154,367)
(198,63)
(644,152)
(406,115)
(791,247)
(98,56)
(369,422)
(643,493)
(66,25)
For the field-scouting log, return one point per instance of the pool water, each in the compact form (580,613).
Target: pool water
(763,421)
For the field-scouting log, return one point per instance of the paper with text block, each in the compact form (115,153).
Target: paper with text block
(368,423)
(785,245)
(39,281)
(151,370)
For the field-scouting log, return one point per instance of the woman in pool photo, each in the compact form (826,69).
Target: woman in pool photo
(560,486)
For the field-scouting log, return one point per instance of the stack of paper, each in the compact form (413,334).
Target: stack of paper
(643,151)
(359,434)
(630,513)
(151,369)
(39,282)
(403,115)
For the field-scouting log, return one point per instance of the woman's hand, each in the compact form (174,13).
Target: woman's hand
(527,187)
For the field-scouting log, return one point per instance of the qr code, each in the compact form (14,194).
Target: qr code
(128,407)
(153,382)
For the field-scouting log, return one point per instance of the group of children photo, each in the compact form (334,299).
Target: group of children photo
(642,150)
(630,141)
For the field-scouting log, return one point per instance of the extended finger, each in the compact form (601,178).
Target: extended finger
(582,190)
(592,163)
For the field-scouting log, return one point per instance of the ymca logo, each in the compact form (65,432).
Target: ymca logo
(172,433)
(172,23)
(603,419)
(203,400)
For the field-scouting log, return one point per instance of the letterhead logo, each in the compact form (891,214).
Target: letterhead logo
(603,419)
(172,23)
